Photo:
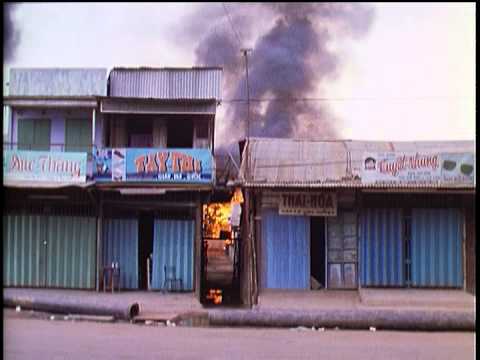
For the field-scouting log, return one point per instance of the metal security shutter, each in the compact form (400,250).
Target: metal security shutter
(437,248)
(49,251)
(71,252)
(173,246)
(78,135)
(382,249)
(285,251)
(24,250)
(120,244)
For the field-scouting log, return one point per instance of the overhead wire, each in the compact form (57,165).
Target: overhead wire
(231,24)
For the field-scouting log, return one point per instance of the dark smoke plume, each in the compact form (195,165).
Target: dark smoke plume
(291,59)
(10,34)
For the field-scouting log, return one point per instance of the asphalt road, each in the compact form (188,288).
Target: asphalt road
(29,337)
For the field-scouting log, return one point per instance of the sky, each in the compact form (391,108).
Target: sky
(410,77)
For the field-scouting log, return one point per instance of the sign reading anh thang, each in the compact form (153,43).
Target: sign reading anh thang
(400,167)
(48,166)
(308,203)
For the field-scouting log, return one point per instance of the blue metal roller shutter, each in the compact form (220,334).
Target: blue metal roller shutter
(285,251)
(382,252)
(437,248)
(120,244)
(173,246)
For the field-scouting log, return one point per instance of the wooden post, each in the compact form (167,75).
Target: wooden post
(99,242)
(198,261)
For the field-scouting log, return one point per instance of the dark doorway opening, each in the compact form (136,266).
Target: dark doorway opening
(180,133)
(317,252)
(145,248)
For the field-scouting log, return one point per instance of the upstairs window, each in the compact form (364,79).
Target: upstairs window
(34,134)
(78,135)
(180,133)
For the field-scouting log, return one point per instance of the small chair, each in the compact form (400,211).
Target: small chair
(171,282)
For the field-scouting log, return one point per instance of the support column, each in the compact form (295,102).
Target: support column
(198,248)
(99,241)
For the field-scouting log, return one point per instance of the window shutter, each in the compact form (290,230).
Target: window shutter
(25,134)
(78,135)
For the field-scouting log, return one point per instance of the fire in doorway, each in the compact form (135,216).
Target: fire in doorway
(221,252)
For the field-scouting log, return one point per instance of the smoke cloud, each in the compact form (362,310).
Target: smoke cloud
(291,59)
(10,33)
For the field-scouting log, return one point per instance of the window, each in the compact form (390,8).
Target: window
(202,129)
(78,135)
(180,133)
(34,134)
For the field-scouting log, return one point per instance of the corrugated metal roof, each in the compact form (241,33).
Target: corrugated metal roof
(58,82)
(166,83)
(337,163)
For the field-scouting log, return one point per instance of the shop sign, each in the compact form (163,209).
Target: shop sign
(308,203)
(44,166)
(399,167)
(153,165)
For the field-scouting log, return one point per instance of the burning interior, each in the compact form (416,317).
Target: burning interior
(221,228)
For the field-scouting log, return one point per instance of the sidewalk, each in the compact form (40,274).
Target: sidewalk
(362,309)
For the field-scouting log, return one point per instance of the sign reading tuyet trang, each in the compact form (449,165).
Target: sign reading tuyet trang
(399,167)
(308,203)
(154,165)
(47,166)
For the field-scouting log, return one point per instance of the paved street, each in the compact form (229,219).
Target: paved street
(26,337)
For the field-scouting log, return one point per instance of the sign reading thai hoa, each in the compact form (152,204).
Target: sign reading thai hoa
(154,165)
(308,203)
(48,166)
(399,167)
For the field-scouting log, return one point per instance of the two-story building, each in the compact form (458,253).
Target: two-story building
(50,215)
(108,170)
(154,171)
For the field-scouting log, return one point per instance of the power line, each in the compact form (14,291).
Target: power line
(231,24)
(349,99)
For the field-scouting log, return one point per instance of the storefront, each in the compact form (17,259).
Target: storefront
(151,201)
(49,231)
(308,239)
(346,214)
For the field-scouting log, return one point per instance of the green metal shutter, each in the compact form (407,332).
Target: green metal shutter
(78,135)
(33,134)
(41,134)
(71,252)
(25,134)
(24,250)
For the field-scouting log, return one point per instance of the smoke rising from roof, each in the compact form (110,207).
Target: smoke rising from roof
(291,59)
(10,33)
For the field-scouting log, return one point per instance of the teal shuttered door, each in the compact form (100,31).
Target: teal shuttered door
(49,251)
(33,134)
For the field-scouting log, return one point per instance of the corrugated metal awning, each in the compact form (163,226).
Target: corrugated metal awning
(155,106)
(166,83)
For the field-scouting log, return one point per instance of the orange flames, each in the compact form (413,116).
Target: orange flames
(217,216)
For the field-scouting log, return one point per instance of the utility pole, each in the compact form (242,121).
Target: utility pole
(247,170)
(250,243)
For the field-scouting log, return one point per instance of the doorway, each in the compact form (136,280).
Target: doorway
(317,252)
(145,249)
